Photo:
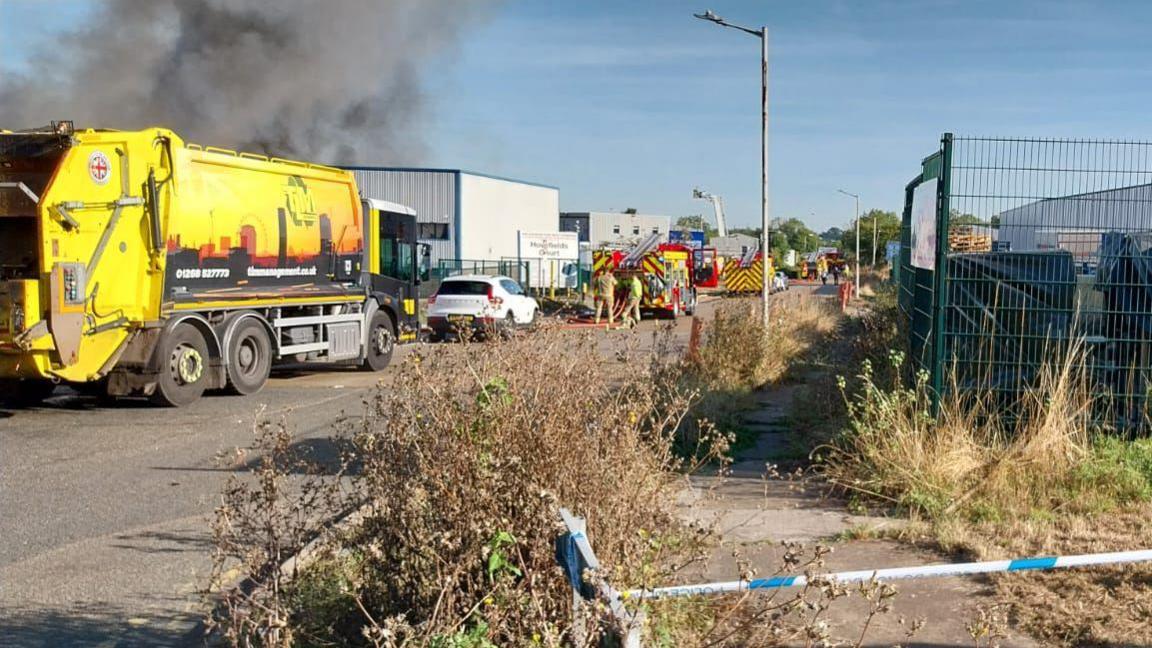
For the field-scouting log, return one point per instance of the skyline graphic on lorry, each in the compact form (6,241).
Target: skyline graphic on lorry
(255,231)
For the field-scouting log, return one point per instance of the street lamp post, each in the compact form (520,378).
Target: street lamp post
(875,220)
(857,197)
(765,232)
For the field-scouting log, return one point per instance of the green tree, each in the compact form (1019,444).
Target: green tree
(798,236)
(886,224)
(695,222)
(956,217)
(832,236)
(749,231)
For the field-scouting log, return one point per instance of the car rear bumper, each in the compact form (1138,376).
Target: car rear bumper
(451,324)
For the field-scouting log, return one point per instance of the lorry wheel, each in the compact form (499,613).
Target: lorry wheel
(21,393)
(381,342)
(183,370)
(249,358)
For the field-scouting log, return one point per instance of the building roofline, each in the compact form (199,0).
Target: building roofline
(1078,196)
(452,171)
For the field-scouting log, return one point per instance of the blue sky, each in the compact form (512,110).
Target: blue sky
(634,104)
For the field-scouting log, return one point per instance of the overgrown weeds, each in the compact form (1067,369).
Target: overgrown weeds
(819,411)
(996,479)
(455,476)
(972,459)
(739,355)
(462,461)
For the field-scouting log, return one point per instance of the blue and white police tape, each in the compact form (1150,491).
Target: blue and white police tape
(898,573)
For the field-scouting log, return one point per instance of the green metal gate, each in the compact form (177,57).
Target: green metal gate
(1013,248)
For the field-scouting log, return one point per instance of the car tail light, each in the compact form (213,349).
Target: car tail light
(432,299)
(493,300)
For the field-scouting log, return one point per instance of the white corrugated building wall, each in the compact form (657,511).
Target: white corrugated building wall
(464,214)
(620,229)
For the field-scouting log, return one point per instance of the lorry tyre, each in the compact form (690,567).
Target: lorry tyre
(381,342)
(183,367)
(249,358)
(21,393)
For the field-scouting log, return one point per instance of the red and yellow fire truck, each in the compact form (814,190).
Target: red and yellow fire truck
(746,275)
(666,272)
(706,267)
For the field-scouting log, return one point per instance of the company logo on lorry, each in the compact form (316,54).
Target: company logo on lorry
(238,232)
(282,272)
(99,168)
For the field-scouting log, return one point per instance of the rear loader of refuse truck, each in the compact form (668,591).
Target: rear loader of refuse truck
(132,263)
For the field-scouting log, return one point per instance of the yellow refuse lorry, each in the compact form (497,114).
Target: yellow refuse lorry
(132,263)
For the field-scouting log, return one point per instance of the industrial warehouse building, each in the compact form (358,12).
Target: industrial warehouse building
(735,245)
(463,214)
(614,229)
(1075,223)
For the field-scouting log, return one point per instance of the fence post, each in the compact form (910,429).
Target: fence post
(940,278)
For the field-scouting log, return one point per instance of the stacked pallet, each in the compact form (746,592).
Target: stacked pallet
(965,238)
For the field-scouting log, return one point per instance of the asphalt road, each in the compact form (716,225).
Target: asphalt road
(104,509)
(104,525)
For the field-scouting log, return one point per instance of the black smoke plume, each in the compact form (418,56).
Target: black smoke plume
(331,81)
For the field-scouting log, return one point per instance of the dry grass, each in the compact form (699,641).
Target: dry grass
(459,467)
(738,352)
(819,412)
(1044,481)
(969,459)
(457,471)
(1090,607)
(737,357)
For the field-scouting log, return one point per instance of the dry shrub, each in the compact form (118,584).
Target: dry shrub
(464,456)
(972,459)
(469,457)
(739,353)
(261,524)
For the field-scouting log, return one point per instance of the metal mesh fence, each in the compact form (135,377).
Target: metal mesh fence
(452,267)
(1036,243)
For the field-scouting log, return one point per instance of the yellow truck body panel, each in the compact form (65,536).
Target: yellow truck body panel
(80,270)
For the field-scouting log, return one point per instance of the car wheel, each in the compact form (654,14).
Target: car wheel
(249,358)
(183,365)
(22,393)
(381,342)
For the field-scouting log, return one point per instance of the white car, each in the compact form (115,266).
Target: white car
(482,303)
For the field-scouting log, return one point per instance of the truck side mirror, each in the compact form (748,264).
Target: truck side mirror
(424,264)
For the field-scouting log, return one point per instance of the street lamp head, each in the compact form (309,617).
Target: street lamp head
(709,15)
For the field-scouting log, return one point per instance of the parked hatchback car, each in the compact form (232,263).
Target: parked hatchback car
(480,303)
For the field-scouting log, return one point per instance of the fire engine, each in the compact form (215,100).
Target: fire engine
(745,275)
(666,271)
(706,268)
